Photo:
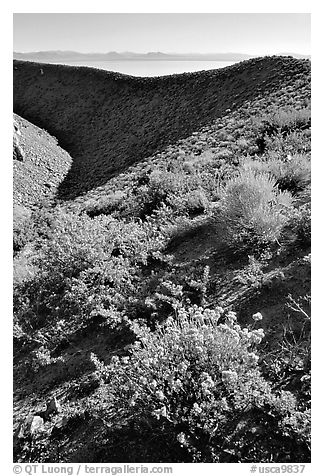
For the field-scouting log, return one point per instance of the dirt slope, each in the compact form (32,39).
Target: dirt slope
(39,164)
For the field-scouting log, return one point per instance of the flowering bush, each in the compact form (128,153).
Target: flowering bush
(86,267)
(192,392)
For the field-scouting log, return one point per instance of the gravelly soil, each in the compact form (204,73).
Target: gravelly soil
(42,166)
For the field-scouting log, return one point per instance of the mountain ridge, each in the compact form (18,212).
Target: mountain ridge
(60,55)
(129,56)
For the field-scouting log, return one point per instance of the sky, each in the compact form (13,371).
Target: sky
(251,33)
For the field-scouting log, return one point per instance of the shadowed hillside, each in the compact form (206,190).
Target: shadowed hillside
(107,121)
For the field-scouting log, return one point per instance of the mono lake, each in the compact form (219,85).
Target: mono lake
(151,68)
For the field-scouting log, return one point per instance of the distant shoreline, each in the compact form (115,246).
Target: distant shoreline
(61,56)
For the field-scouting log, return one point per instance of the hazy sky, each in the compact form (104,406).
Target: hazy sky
(253,33)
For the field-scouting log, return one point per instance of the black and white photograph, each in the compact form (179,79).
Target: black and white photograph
(161,241)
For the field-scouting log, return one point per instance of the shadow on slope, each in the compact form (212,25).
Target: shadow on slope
(108,121)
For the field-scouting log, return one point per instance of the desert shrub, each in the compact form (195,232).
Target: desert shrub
(84,270)
(192,392)
(274,129)
(167,298)
(161,187)
(182,192)
(289,365)
(193,162)
(76,243)
(243,144)
(104,205)
(295,142)
(252,274)
(252,207)
(286,120)
(192,203)
(223,154)
(197,202)
(23,228)
(198,286)
(292,172)
(300,224)
(31,226)
(169,292)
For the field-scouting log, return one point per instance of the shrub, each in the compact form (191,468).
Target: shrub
(23,229)
(252,207)
(104,205)
(243,145)
(291,119)
(162,185)
(274,129)
(31,226)
(223,154)
(285,121)
(197,202)
(192,392)
(76,244)
(252,274)
(193,162)
(296,142)
(300,224)
(84,269)
(192,203)
(180,191)
(292,172)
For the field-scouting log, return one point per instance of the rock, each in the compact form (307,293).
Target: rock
(36,425)
(31,426)
(18,153)
(16,128)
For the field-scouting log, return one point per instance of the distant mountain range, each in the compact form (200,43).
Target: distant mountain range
(61,56)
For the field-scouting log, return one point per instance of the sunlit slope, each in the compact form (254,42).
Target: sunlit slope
(39,164)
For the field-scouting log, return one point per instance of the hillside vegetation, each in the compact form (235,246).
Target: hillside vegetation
(162,298)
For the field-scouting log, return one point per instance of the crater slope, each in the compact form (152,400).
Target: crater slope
(108,121)
(39,164)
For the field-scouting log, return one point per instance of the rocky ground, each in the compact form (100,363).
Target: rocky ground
(39,164)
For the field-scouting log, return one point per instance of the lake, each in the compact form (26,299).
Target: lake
(151,68)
